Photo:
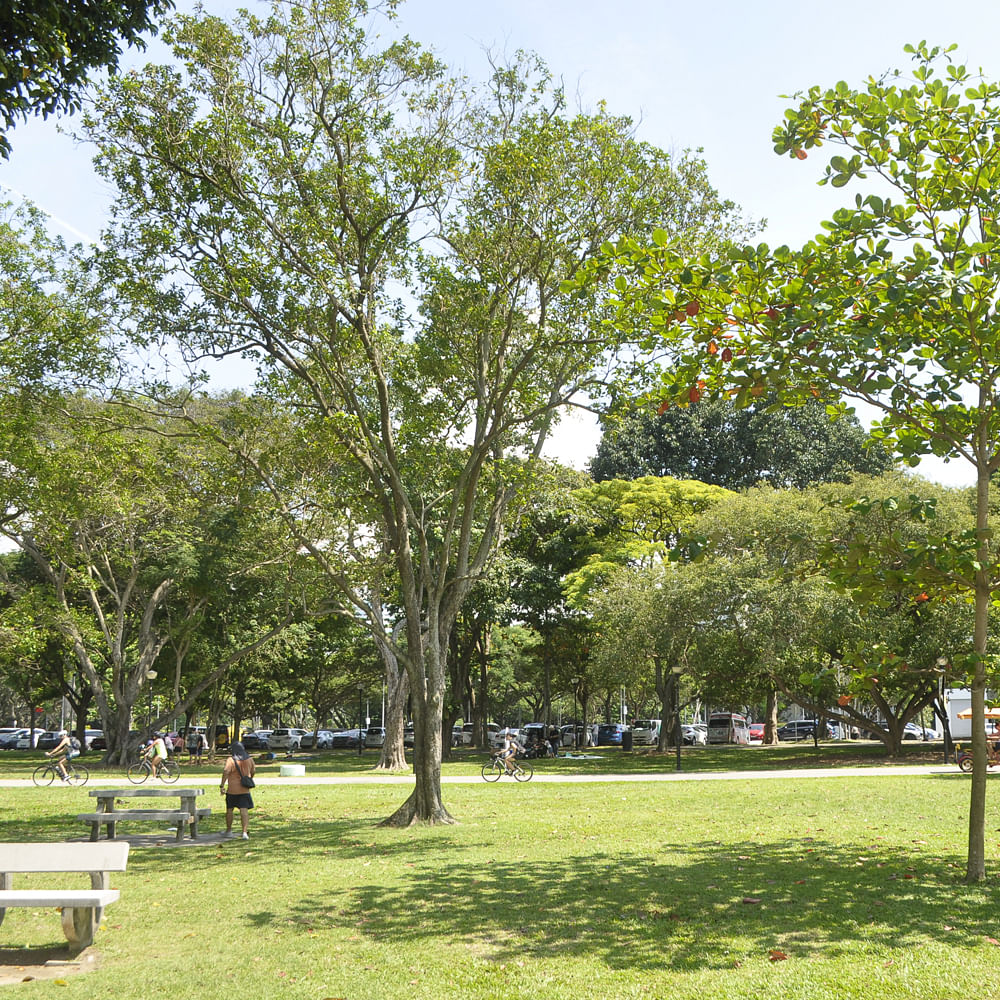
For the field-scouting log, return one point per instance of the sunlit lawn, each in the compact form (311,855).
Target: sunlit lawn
(550,891)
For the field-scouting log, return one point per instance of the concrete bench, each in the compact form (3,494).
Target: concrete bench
(82,909)
(109,820)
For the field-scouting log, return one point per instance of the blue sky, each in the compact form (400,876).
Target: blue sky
(693,75)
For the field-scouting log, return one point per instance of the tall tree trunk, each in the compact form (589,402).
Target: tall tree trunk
(976,864)
(425,804)
(397,688)
(771,718)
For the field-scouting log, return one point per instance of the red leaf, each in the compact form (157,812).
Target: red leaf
(801,154)
(993,941)
(713,347)
(775,955)
(844,700)
(664,406)
(727,355)
(692,307)
(694,395)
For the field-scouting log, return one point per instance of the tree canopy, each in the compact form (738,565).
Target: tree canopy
(49,47)
(716,442)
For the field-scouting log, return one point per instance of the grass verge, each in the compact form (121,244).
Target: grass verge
(831,887)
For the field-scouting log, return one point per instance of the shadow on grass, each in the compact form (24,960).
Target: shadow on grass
(701,906)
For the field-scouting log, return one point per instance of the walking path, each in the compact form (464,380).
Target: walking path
(901,770)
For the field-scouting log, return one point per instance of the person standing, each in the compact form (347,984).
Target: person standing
(238,766)
(178,747)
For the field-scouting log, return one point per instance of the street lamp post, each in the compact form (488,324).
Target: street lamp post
(150,676)
(576,726)
(676,671)
(361,710)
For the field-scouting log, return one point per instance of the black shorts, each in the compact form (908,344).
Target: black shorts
(244,801)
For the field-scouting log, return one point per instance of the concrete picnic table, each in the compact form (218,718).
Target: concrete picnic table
(107,816)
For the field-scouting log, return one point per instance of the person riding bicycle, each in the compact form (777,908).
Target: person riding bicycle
(509,751)
(156,753)
(63,750)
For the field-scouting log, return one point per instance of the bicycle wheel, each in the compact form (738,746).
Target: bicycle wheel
(523,772)
(138,773)
(168,771)
(78,774)
(492,770)
(44,775)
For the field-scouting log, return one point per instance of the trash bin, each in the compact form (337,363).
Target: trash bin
(627,739)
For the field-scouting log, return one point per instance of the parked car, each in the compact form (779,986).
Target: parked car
(469,732)
(286,739)
(610,734)
(323,739)
(9,738)
(756,730)
(374,737)
(579,735)
(645,732)
(694,735)
(49,739)
(28,739)
(89,735)
(912,731)
(346,738)
(409,736)
(257,739)
(803,729)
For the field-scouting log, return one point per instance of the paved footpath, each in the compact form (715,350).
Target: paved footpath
(907,770)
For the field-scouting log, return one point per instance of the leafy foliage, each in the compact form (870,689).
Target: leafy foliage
(49,47)
(716,442)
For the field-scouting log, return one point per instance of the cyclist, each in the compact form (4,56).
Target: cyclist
(63,751)
(509,751)
(156,752)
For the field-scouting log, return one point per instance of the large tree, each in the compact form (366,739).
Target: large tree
(894,304)
(273,193)
(717,442)
(49,48)
(144,546)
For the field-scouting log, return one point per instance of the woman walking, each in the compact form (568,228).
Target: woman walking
(238,769)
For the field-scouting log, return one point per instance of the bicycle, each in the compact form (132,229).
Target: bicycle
(496,767)
(168,771)
(45,774)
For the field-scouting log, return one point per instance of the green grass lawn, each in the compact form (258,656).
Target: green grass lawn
(552,891)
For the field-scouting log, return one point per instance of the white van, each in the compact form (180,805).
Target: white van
(728,727)
(645,732)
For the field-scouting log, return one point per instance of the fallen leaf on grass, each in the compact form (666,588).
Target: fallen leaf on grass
(750,899)
(775,955)
(993,941)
